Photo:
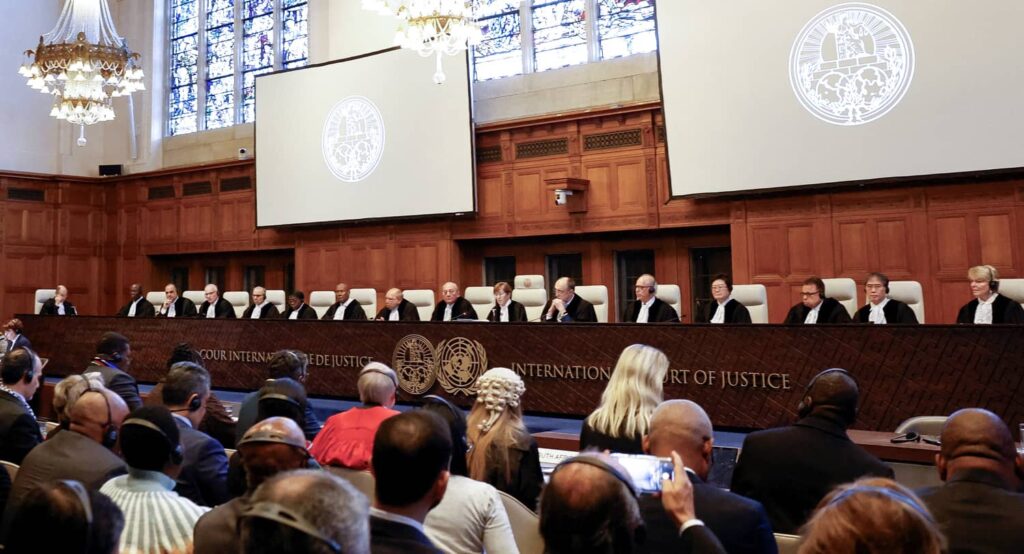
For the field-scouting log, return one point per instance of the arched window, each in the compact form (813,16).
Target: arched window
(218,47)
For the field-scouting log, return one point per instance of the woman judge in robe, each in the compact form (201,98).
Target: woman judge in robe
(988,306)
(505,309)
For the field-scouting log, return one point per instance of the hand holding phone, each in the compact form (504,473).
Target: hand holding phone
(646,472)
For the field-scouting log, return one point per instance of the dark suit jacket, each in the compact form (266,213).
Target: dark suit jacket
(516,312)
(353,312)
(305,312)
(183,307)
(19,432)
(659,312)
(20,341)
(50,308)
(895,312)
(221,310)
(215,532)
(406,312)
(977,512)
(204,473)
(831,311)
(390,537)
(739,523)
(734,312)
(593,439)
(144,309)
(119,382)
(698,539)
(461,309)
(1004,310)
(577,310)
(790,469)
(269,311)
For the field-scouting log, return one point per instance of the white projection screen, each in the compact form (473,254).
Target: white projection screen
(765,95)
(364,138)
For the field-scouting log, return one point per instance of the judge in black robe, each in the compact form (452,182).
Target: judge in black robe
(297,303)
(183,307)
(460,307)
(393,301)
(567,306)
(222,309)
(143,307)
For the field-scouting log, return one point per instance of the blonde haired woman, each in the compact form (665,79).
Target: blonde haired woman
(502,452)
(988,306)
(635,389)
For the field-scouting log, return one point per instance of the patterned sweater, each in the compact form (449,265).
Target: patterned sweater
(156,519)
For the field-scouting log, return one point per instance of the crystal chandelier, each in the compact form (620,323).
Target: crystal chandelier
(83,64)
(431,27)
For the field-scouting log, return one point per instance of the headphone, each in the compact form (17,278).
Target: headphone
(889,493)
(804,408)
(452,408)
(993,282)
(272,511)
(177,450)
(83,498)
(881,277)
(391,376)
(640,532)
(115,357)
(282,397)
(110,430)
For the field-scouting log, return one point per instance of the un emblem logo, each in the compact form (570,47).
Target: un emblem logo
(413,361)
(460,362)
(353,139)
(851,64)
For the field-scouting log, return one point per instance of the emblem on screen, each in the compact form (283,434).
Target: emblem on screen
(353,139)
(851,64)
(413,361)
(460,362)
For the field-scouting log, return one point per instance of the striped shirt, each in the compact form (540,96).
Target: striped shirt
(157,520)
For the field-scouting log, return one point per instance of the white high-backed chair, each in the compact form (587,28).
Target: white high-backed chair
(755,298)
(278,298)
(528,282)
(42,295)
(598,296)
(367,298)
(156,298)
(911,294)
(320,300)
(1012,289)
(671,295)
(533,301)
(423,299)
(196,296)
(239,301)
(482,299)
(844,291)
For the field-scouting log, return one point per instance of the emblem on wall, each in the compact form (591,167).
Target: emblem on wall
(851,64)
(413,361)
(460,362)
(353,139)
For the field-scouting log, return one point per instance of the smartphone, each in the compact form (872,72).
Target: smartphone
(647,472)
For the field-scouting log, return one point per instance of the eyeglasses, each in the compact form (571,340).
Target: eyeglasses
(719,287)
(810,293)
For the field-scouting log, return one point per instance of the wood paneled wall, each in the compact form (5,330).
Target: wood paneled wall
(99,235)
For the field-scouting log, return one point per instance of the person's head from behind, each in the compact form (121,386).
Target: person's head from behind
(97,413)
(292,364)
(871,516)
(833,393)
(63,516)
(272,446)
(411,455)
(495,422)
(150,441)
(307,512)
(684,427)
(186,388)
(456,420)
(115,349)
(21,371)
(974,438)
(183,352)
(282,398)
(588,507)
(377,385)
(633,392)
(68,390)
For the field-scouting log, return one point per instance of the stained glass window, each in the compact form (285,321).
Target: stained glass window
(240,39)
(559,34)
(625,27)
(500,52)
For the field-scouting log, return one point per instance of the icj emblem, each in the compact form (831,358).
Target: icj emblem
(460,362)
(353,139)
(413,361)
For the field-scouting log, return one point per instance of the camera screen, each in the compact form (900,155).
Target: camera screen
(647,472)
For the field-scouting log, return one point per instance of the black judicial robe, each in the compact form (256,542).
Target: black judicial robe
(406,312)
(659,312)
(144,309)
(516,312)
(183,307)
(305,312)
(577,310)
(734,312)
(268,311)
(831,311)
(221,310)
(461,309)
(354,311)
(1004,310)
(895,312)
(50,308)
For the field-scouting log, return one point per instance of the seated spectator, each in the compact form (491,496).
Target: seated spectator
(347,438)
(283,363)
(471,517)
(66,393)
(158,519)
(978,507)
(204,471)
(20,372)
(272,446)
(217,422)
(305,511)
(113,358)
(872,516)
(633,392)
(13,330)
(411,455)
(816,448)
(740,523)
(63,516)
(502,451)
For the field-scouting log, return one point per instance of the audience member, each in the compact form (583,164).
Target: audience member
(347,438)
(345,308)
(176,306)
(308,512)
(204,469)
(872,516)
(113,358)
(59,304)
(283,363)
(502,451)
(633,392)
(217,421)
(297,307)
(19,432)
(158,519)
(13,330)
(63,516)
(815,448)
(741,524)
(397,308)
(471,517)
(725,309)
(272,446)
(411,455)
(978,507)
(137,305)
(505,309)
(452,305)
(214,306)
(260,308)
(567,306)
(66,392)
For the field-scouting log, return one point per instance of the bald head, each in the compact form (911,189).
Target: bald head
(272,446)
(683,426)
(978,433)
(89,415)
(832,391)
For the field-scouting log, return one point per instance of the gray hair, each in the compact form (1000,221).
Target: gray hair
(376,383)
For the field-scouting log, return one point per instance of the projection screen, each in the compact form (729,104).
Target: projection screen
(762,95)
(365,138)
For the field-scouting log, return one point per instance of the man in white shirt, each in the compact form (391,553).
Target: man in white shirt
(345,308)
(137,305)
(648,308)
(176,306)
(261,308)
(214,306)
(397,308)
(880,309)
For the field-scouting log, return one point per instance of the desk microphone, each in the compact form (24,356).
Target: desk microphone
(462,315)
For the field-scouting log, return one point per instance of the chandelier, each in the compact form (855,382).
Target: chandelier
(431,27)
(83,64)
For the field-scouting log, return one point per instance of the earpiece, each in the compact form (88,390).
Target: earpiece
(804,409)
(393,378)
(109,429)
(177,450)
(115,357)
(195,403)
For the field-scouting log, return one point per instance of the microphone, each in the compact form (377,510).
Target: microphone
(497,315)
(462,315)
